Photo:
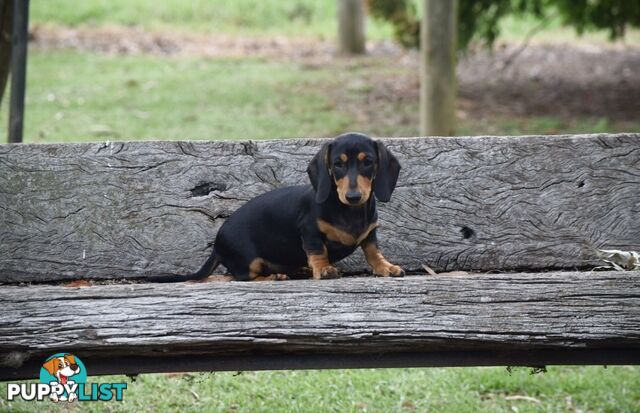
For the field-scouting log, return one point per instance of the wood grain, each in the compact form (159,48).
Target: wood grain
(134,209)
(451,317)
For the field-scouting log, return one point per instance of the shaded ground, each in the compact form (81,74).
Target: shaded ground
(540,80)
(555,80)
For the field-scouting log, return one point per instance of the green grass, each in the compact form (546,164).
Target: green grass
(307,18)
(77,97)
(517,29)
(561,389)
(74,97)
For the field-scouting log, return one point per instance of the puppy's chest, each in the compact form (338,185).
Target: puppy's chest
(346,233)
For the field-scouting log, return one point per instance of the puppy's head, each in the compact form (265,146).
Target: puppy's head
(355,165)
(62,366)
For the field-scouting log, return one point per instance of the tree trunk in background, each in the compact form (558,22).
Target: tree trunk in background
(19,40)
(351,26)
(438,38)
(6,20)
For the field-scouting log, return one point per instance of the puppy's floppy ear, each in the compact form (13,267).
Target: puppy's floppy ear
(387,173)
(318,171)
(51,366)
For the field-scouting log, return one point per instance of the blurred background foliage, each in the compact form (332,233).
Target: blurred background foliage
(480,19)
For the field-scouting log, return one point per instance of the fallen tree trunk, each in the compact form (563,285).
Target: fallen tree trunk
(134,209)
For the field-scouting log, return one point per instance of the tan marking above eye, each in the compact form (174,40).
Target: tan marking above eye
(338,235)
(344,157)
(361,156)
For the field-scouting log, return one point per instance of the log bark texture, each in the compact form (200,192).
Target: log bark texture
(134,209)
(543,318)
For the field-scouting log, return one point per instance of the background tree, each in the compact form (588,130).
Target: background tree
(438,68)
(6,20)
(351,26)
(480,19)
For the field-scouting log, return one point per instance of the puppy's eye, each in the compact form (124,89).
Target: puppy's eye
(338,164)
(367,162)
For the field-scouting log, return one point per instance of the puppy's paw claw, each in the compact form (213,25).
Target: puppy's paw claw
(328,273)
(398,272)
(389,271)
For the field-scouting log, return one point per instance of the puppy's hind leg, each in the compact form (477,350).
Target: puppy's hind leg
(271,277)
(261,270)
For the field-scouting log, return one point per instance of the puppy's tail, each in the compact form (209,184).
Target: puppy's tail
(209,266)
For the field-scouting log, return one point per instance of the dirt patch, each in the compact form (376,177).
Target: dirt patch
(554,80)
(543,80)
(119,40)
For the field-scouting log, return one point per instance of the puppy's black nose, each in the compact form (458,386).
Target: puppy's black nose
(354,197)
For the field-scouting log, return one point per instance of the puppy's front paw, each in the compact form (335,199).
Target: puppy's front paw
(327,272)
(388,270)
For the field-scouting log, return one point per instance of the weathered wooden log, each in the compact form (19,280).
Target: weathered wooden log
(544,318)
(134,209)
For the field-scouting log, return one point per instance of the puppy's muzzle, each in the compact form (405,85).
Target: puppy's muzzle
(353,197)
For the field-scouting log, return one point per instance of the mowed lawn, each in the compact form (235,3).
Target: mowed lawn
(309,18)
(306,18)
(460,390)
(74,96)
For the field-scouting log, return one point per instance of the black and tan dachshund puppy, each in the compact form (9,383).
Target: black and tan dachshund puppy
(315,225)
